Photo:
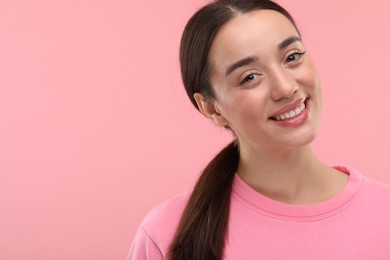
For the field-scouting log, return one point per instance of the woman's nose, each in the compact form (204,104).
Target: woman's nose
(282,84)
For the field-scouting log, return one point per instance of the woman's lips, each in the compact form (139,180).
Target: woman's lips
(290,110)
(296,120)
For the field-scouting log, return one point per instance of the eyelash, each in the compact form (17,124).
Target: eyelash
(250,76)
(247,78)
(300,54)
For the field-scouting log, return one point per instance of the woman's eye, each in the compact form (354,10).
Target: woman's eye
(294,57)
(248,78)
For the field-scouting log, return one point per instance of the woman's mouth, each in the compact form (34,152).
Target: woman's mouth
(291,113)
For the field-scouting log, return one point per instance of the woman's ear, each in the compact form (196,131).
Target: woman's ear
(210,110)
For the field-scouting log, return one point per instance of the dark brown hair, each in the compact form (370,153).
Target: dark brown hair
(202,229)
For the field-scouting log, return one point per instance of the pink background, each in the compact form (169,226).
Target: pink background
(96,128)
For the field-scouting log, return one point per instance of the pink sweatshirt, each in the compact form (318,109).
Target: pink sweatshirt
(355,224)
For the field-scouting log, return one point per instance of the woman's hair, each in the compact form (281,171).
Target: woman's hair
(203,226)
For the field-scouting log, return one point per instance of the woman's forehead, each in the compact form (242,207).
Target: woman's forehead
(256,31)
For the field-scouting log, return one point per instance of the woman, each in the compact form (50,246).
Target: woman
(266,195)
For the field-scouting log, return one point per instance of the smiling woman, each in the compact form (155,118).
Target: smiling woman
(266,195)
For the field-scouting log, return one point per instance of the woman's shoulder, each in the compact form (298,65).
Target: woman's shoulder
(377,187)
(157,229)
(161,222)
(373,193)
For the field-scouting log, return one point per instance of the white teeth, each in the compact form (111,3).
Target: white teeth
(292,113)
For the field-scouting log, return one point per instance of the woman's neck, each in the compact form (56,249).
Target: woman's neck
(292,175)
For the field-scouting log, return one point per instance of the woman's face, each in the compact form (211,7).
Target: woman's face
(266,85)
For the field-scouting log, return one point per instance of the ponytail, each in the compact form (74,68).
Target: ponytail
(202,229)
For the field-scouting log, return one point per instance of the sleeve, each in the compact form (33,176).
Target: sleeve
(144,248)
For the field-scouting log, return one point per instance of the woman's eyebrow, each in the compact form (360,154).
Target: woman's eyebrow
(288,41)
(248,60)
(241,63)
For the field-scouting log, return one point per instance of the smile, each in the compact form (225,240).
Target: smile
(292,113)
